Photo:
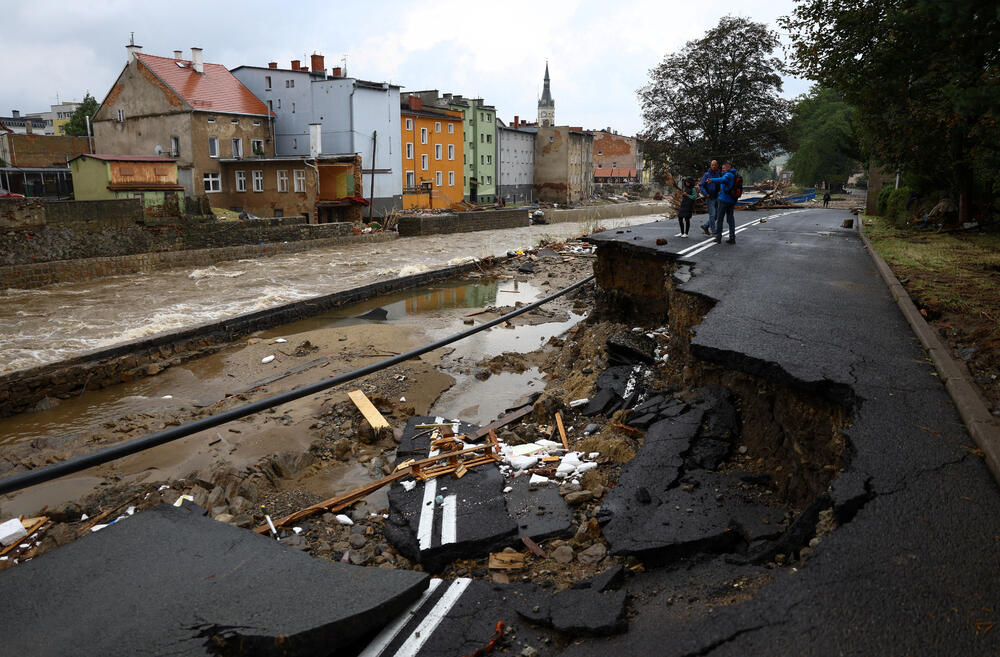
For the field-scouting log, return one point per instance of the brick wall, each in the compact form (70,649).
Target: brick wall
(32,212)
(21,390)
(81,269)
(462,222)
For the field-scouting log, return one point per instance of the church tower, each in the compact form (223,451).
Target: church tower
(546,106)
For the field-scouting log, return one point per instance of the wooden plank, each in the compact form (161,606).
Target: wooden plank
(506,560)
(562,430)
(368,409)
(513,416)
(534,547)
(31,525)
(478,312)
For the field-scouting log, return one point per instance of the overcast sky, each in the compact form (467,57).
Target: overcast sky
(599,52)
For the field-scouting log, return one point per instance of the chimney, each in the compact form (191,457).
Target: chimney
(296,64)
(517,121)
(178,54)
(416,102)
(272,64)
(133,50)
(315,139)
(336,72)
(28,127)
(318,63)
(15,114)
(197,62)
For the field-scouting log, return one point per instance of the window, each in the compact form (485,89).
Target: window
(234,121)
(256,124)
(451,151)
(213,182)
(451,178)
(423,135)
(293,108)
(278,212)
(451,128)
(279,103)
(423,161)
(241,181)
(489,118)
(437,126)
(267,82)
(410,179)
(489,180)
(409,150)
(289,84)
(489,159)
(299,180)
(482,159)
(270,105)
(409,124)
(175,146)
(489,139)
(257,147)
(258,181)
(437,178)
(282,180)
(437,151)
(213,147)
(237,148)
(482,138)
(121,116)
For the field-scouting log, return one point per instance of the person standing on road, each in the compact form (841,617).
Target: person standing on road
(727,202)
(710,191)
(689,193)
(826,200)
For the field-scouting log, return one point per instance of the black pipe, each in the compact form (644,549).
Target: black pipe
(49,472)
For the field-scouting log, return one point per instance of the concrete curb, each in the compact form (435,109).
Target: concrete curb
(980,423)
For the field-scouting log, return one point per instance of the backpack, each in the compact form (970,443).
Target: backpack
(736,189)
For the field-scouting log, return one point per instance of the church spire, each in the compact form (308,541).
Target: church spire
(546,106)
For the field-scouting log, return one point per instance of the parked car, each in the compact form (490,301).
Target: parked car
(5,194)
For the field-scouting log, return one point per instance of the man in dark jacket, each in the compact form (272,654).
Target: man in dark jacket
(726,203)
(710,191)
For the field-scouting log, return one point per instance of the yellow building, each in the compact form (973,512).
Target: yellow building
(433,162)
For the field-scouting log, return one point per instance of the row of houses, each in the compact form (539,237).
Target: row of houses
(304,139)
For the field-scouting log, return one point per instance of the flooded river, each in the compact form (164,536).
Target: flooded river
(60,321)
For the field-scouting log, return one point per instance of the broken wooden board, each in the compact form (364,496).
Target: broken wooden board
(562,430)
(372,416)
(513,416)
(506,561)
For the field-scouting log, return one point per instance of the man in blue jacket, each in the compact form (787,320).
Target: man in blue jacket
(726,203)
(710,191)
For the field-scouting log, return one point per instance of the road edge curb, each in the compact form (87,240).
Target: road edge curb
(979,422)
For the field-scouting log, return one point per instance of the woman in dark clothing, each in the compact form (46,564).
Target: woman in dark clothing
(688,195)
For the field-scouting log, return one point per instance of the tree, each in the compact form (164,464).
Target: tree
(925,79)
(77,124)
(824,142)
(717,98)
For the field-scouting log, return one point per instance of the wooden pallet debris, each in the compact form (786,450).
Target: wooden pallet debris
(372,416)
(562,430)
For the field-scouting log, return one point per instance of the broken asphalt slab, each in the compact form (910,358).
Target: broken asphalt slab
(168,581)
(439,520)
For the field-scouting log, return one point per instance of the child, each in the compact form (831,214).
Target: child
(688,195)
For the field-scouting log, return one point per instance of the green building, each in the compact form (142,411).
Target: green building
(149,178)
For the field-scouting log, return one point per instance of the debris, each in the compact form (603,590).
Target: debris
(274,531)
(538,479)
(374,418)
(562,430)
(12,531)
(280,340)
(344,520)
(576,403)
(267,359)
(506,561)
(533,546)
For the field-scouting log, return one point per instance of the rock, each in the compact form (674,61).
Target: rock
(591,428)
(244,521)
(357,541)
(593,554)
(579,497)
(225,517)
(240,506)
(216,497)
(528,651)
(586,533)
(630,348)
(563,554)
(341,449)
(296,541)
(68,512)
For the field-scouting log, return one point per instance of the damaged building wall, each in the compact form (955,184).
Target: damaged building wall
(564,162)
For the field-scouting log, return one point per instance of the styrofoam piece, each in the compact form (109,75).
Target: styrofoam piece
(538,479)
(12,531)
(576,403)
(344,520)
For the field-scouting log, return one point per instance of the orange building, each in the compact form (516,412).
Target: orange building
(432,156)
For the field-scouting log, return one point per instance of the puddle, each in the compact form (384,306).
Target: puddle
(481,402)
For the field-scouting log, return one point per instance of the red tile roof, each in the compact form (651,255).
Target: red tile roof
(215,90)
(609,172)
(128,158)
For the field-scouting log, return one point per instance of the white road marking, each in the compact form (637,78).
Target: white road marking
(449,520)
(710,242)
(390,631)
(416,641)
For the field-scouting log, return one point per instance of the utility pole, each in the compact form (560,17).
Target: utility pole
(371,205)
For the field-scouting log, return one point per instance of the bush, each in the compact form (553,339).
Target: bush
(883,199)
(895,207)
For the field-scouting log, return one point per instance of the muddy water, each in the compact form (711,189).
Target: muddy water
(59,321)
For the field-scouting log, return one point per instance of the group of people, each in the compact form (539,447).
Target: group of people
(718,186)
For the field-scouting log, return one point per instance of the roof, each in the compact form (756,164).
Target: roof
(615,172)
(215,90)
(126,158)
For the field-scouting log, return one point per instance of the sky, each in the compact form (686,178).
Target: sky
(599,53)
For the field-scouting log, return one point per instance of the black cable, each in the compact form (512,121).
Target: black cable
(49,472)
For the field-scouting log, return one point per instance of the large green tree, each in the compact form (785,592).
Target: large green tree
(77,124)
(824,142)
(717,97)
(924,76)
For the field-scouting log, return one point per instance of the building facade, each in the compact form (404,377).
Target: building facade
(57,117)
(432,142)
(564,164)
(357,116)
(23,125)
(190,110)
(37,164)
(151,179)
(516,164)
(480,149)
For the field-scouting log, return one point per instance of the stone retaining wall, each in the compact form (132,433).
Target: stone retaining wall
(462,222)
(46,273)
(22,390)
(36,212)
(595,212)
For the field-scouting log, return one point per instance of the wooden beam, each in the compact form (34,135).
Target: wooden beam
(562,430)
(368,409)
(513,416)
